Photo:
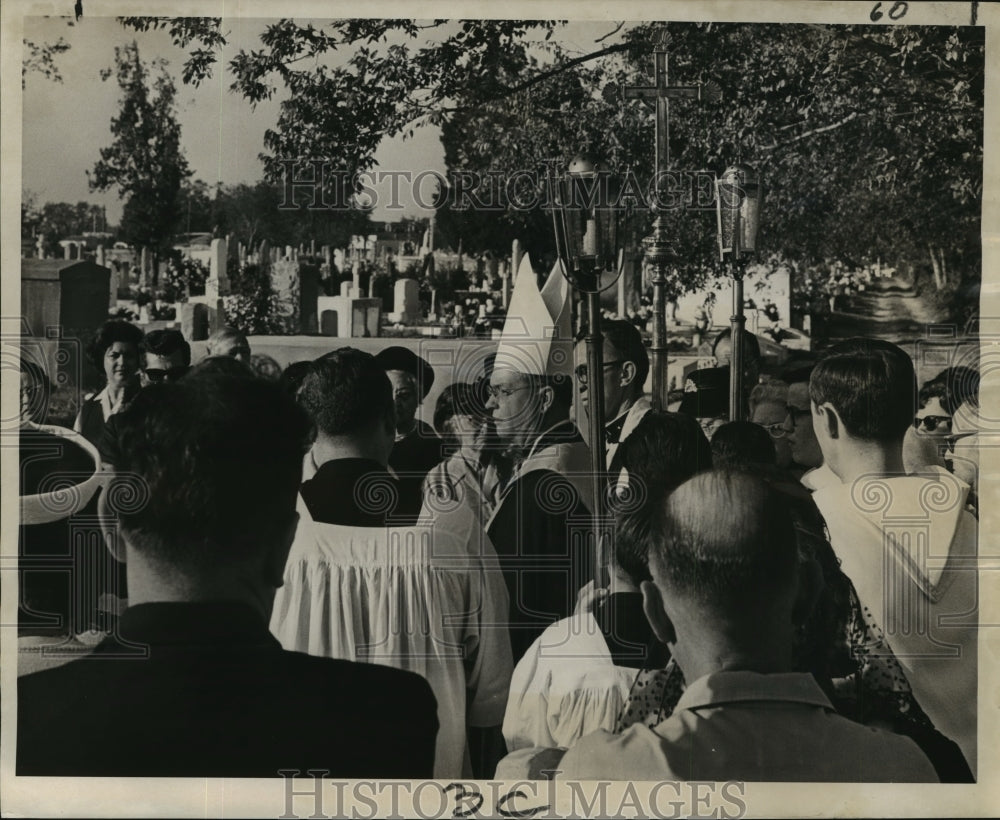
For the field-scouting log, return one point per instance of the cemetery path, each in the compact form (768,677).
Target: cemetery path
(888,309)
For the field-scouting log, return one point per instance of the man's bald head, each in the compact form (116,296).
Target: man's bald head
(725,541)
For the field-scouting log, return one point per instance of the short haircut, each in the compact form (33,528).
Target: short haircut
(663,451)
(265,366)
(347,391)
(628,342)
(740,445)
(872,386)
(727,540)
(953,387)
(217,458)
(751,345)
(114,330)
(293,376)
(167,343)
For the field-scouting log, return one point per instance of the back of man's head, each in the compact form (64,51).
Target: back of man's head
(872,386)
(724,543)
(346,392)
(741,445)
(722,348)
(210,467)
(627,341)
(166,343)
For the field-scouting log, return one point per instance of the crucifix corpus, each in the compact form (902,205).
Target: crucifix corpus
(657,248)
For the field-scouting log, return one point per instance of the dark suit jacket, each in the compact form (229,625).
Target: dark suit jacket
(204,690)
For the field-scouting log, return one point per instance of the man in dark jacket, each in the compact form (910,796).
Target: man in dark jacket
(192,684)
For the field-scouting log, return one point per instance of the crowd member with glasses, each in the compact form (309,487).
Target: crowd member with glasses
(167,357)
(768,407)
(547,491)
(941,422)
(807,457)
(625,368)
(546,504)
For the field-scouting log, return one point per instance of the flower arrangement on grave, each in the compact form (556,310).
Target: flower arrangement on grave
(184,277)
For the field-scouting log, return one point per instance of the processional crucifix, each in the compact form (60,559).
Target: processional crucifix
(657,247)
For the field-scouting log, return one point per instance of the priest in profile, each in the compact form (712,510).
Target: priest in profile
(542,526)
(416,449)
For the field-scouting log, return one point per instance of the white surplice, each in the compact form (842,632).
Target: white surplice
(565,686)
(428,599)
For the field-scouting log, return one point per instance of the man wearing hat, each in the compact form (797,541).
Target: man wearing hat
(530,394)
(417,449)
(706,398)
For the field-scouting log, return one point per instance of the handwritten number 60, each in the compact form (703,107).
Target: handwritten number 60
(898,9)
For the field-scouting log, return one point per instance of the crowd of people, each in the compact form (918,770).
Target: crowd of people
(309,576)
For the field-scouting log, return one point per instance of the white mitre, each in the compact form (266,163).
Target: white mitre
(537,333)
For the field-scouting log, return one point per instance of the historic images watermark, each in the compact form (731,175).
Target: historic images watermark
(543,799)
(317,184)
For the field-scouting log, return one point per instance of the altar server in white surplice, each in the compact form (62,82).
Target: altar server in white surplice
(365,582)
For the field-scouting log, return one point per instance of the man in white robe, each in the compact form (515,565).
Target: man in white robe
(365,583)
(905,541)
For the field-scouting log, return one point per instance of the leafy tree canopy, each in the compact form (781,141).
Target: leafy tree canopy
(868,138)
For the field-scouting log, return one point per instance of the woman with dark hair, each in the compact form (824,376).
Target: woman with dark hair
(577,676)
(115,353)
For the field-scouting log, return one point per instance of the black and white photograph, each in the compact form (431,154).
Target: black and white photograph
(553,410)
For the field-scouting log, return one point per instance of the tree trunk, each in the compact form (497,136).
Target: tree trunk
(944,267)
(938,282)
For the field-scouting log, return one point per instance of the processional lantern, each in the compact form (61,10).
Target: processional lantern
(738,198)
(588,233)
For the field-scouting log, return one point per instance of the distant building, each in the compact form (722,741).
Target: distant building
(77,247)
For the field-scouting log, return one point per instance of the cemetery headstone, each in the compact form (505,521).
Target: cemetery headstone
(406,302)
(144,265)
(285,286)
(349,318)
(309,291)
(194,321)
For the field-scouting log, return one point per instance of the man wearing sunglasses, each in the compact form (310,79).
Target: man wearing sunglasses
(167,357)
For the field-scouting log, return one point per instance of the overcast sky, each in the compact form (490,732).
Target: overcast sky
(66,124)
